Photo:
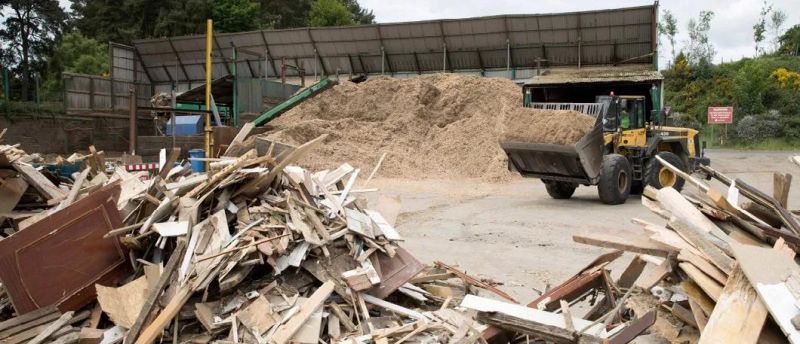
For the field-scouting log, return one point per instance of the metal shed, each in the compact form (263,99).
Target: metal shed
(494,46)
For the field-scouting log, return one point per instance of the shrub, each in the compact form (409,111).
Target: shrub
(757,128)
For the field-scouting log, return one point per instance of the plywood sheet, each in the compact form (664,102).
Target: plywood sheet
(68,247)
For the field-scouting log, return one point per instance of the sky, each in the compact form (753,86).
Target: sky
(731,30)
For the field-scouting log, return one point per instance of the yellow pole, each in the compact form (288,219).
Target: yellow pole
(209,144)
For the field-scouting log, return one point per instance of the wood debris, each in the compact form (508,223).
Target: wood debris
(727,266)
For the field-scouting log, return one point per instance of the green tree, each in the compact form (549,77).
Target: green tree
(75,53)
(668,26)
(103,20)
(178,18)
(700,49)
(27,35)
(790,42)
(329,13)
(235,15)
(760,27)
(776,21)
(284,14)
(360,15)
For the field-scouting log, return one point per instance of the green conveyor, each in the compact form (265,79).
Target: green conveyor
(298,98)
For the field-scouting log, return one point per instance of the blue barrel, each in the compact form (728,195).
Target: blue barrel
(198,165)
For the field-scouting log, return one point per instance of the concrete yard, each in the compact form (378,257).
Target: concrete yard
(516,234)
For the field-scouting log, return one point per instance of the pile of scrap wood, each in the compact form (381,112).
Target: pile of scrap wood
(259,250)
(723,261)
(30,191)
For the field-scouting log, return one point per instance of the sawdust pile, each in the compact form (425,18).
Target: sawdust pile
(546,126)
(436,126)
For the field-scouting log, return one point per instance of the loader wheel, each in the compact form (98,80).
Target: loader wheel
(559,190)
(615,179)
(659,176)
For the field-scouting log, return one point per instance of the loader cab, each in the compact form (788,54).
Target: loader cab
(623,112)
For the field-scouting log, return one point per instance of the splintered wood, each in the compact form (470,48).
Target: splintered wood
(717,258)
(257,250)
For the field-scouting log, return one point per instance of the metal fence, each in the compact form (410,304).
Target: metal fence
(100,94)
(97,94)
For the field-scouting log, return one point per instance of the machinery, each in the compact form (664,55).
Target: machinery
(617,154)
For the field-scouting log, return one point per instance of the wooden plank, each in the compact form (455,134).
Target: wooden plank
(684,211)
(631,273)
(155,292)
(630,242)
(76,188)
(521,312)
(709,286)
(240,137)
(739,314)
(27,317)
(11,192)
(775,277)
(23,326)
(534,329)
(285,332)
(700,317)
(39,181)
(781,184)
(700,240)
(656,275)
(683,314)
(704,265)
(53,327)
(254,187)
(696,294)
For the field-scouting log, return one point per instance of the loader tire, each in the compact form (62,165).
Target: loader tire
(559,190)
(615,179)
(659,176)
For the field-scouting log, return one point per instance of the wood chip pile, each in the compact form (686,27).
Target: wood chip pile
(257,250)
(723,260)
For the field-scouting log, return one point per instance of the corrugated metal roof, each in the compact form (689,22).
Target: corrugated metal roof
(603,37)
(633,73)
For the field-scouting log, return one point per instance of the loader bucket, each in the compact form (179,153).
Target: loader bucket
(580,162)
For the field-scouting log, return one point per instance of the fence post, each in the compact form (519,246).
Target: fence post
(132,121)
(91,93)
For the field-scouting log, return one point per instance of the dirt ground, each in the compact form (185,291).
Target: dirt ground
(513,232)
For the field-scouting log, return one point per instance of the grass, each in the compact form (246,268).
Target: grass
(774,144)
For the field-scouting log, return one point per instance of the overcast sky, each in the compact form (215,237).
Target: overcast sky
(731,29)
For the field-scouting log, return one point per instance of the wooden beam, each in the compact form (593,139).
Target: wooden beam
(781,183)
(739,314)
(155,292)
(285,332)
(630,243)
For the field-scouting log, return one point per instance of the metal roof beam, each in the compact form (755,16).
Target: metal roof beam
(269,55)
(316,52)
(178,57)
(166,70)
(444,41)
(222,55)
(361,63)
(144,67)
(384,54)
(416,63)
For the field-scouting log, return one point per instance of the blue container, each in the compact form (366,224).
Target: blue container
(186,125)
(198,165)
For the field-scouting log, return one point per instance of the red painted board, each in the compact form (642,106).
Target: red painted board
(57,260)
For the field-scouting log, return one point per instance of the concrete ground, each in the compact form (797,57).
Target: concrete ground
(516,234)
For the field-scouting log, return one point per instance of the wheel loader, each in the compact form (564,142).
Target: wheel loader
(617,154)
